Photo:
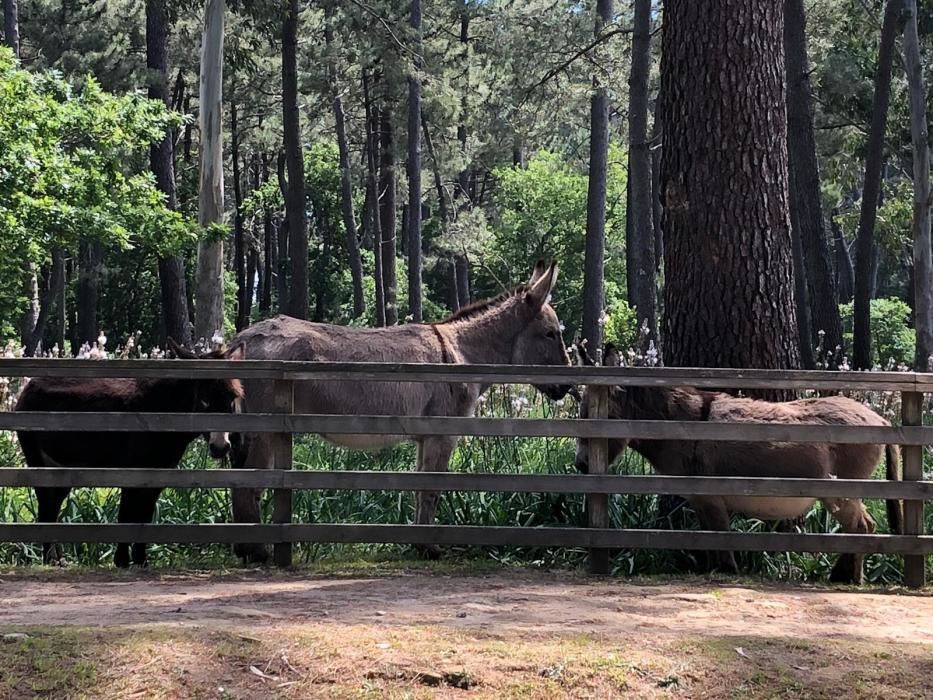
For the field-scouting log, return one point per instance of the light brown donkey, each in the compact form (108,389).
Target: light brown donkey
(790,460)
(517,327)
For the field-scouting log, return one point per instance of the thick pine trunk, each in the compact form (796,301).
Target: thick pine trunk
(922,262)
(414,170)
(641,267)
(729,292)
(593,291)
(806,202)
(874,161)
(172,284)
(209,318)
(298,304)
(346,184)
(387,213)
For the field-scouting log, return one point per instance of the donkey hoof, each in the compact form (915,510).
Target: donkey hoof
(252,553)
(431,552)
(121,561)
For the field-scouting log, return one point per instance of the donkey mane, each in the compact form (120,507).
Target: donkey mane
(480,307)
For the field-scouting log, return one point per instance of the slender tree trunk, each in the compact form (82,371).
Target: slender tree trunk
(801,293)
(728,255)
(11,25)
(268,240)
(593,292)
(372,197)
(463,179)
(462,265)
(239,235)
(346,184)
(923,264)
(90,261)
(656,208)
(282,248)
(387,213)
(209,301)
(874,159)
(294,158)
(642,266)
(805,198)
(414,169)
(172,284)
(845,271)
(48,299)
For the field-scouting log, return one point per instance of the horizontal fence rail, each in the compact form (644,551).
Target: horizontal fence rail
(456,481)
(598,538)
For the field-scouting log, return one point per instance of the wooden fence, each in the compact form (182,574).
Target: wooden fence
(599,538)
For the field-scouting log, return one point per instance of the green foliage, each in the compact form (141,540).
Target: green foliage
(540,212)
(892,339)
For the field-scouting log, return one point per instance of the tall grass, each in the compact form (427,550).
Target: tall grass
(479,455)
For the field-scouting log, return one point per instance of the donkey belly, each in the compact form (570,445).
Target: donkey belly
(364,442)
(769,507)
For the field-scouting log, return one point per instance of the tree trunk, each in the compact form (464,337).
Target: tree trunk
(294,159)
(874,159)
(49,297)
(268,244)
(387,213)
(923,265)
(414,169)
(845,272)
(463,278)
(11,25)
(641,243)
(90,261)
(172,284)
(656,207)
(593,291)
(346,184)
(239,237)
(282,251)
(372,197)
(805,198)
(801,293)
(209,302)
(729,292)
(463,178)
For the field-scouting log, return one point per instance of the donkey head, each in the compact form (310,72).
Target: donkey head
(540,341)
(619,407)
(215,395)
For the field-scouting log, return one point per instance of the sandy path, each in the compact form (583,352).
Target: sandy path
(513,602)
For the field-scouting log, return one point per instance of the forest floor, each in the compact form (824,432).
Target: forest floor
(418,631)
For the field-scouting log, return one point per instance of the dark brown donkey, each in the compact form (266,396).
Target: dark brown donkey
(789,460)
(117,450)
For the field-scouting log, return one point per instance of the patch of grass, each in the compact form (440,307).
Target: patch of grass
(47,663)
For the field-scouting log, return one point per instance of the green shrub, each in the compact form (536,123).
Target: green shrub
(892,339)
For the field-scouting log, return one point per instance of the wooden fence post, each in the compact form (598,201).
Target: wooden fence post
(284,402)
(597,504)
(912,414)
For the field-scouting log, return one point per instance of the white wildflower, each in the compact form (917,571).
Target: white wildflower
(563,328)
(217,340)
(603,318)
(102,340)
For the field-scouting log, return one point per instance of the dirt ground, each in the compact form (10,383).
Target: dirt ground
(436,633)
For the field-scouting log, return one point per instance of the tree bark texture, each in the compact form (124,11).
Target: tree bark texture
(462,265)
(172,283)
(11,25)
(90,261)
(239,236)
(593,288)
(387,213)
(281,245)
(845,271)
(805,198)
(641,266)
(729,292)
(414,169)
(49,297)
(209,300)
(922,262)
(874,161)
(801,293)
(298,303)
(346,184)
(372,198)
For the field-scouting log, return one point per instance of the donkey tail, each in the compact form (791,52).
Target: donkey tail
(895,507)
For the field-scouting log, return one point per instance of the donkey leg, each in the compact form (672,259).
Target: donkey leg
(852,518)
(252,451)
(136,506)
(713,515)
(433,456)
(50,501)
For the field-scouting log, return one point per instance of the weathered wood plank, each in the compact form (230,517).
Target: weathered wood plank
(494,374)
(502,427)
(597,504)
(282,501)
(456,481)
(912,414)
(469,535)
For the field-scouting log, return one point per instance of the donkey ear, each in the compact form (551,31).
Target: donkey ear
(180,352)
(540,289)
(237,352)
(539,269)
